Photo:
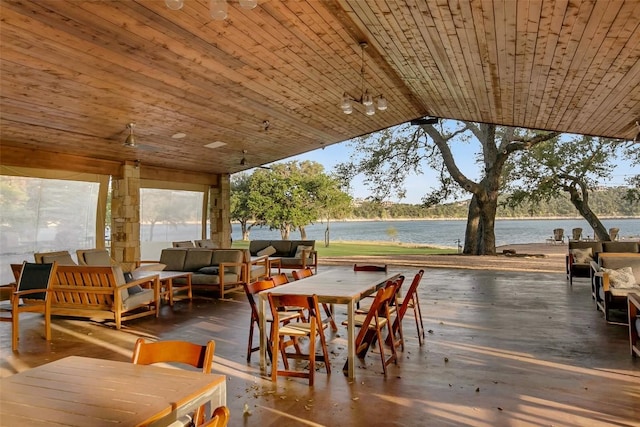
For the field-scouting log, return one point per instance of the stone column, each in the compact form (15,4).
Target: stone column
(219,210)
(125,216)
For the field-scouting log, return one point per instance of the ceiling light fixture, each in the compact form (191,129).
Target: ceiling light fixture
(243,162)
(131,140)
(366,99)
(637,138)
(218,9)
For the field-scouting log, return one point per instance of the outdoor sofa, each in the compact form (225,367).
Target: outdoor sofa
(222,270)
(615,275)
(581,253)
(292,254)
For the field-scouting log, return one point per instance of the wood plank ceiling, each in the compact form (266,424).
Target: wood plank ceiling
(75,72)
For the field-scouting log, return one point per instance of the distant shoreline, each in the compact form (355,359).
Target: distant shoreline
(524,218)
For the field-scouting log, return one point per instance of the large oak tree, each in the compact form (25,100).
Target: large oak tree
(387,157)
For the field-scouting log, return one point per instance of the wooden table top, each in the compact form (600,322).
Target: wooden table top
(82,391)
(337,286)
(162,275)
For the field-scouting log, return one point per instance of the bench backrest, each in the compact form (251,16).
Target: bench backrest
(87,286)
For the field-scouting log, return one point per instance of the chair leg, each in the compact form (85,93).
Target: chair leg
(15,331)
(329,314)
(418,315)
(250,344)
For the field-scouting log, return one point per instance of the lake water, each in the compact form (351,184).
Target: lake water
(445,232)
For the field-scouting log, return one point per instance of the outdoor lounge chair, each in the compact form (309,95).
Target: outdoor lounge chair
(558,236)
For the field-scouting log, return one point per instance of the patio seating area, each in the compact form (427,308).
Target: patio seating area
(489,358)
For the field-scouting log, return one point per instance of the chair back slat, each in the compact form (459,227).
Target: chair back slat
(195,355)
(357,267)
(279,279)
(302,273)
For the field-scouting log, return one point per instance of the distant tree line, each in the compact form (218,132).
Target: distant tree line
(608,202)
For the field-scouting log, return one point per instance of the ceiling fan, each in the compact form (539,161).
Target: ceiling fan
(243,161)
(425,121)
(132,142)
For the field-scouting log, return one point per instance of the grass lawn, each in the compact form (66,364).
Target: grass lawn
(337,249)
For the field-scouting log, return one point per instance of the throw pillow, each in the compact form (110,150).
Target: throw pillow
(582,256)
(621,278)
(212,269)
(301,248)
(128,277)
(269,250)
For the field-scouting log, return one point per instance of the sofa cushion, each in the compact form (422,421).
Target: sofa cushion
(62,258)
(300,249)
(211,269)
(283,247)
(228,256)
(173,258)
(256,246)
(213,279)
(631,247)
(96,257)
(621,278)
(120,281)
(582,256)
(616,262)
(269,250)
(196,259)
(142,298)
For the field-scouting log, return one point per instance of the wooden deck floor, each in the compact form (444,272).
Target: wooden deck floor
(503,349)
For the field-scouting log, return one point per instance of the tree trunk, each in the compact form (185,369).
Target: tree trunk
(480,236)
(285,232)
(244,230)
(599,230)
(303,233)
(473,224)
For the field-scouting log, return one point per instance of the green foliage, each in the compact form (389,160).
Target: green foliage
(338,249)
(289,196)
(603,201)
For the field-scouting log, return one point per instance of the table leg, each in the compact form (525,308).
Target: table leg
(351,341)
(170,290)
(262,305)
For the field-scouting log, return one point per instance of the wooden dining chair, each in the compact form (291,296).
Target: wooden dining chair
(368,267)
(220,418)
(279,279)
(182,352)
(372,324)
(394,313)
(30,295)
(252,289)
(313,328)
(307,272)
(410,301)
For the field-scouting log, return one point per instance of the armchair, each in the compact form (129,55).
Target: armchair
(31,295)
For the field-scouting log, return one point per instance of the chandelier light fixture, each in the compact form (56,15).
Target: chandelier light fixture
(366,99)
(217,8)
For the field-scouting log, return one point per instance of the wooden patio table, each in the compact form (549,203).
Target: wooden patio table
(331,287)
(82,391)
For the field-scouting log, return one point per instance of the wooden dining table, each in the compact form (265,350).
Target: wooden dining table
(331,287)
(83,391)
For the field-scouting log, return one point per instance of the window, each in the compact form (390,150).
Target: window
(167,216)
(40,215)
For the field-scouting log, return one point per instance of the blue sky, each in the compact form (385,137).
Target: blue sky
(417,186)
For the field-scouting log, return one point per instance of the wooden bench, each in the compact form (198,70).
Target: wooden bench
(101,292)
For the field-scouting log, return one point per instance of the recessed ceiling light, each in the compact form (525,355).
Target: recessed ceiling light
(215,144)
(178,135)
